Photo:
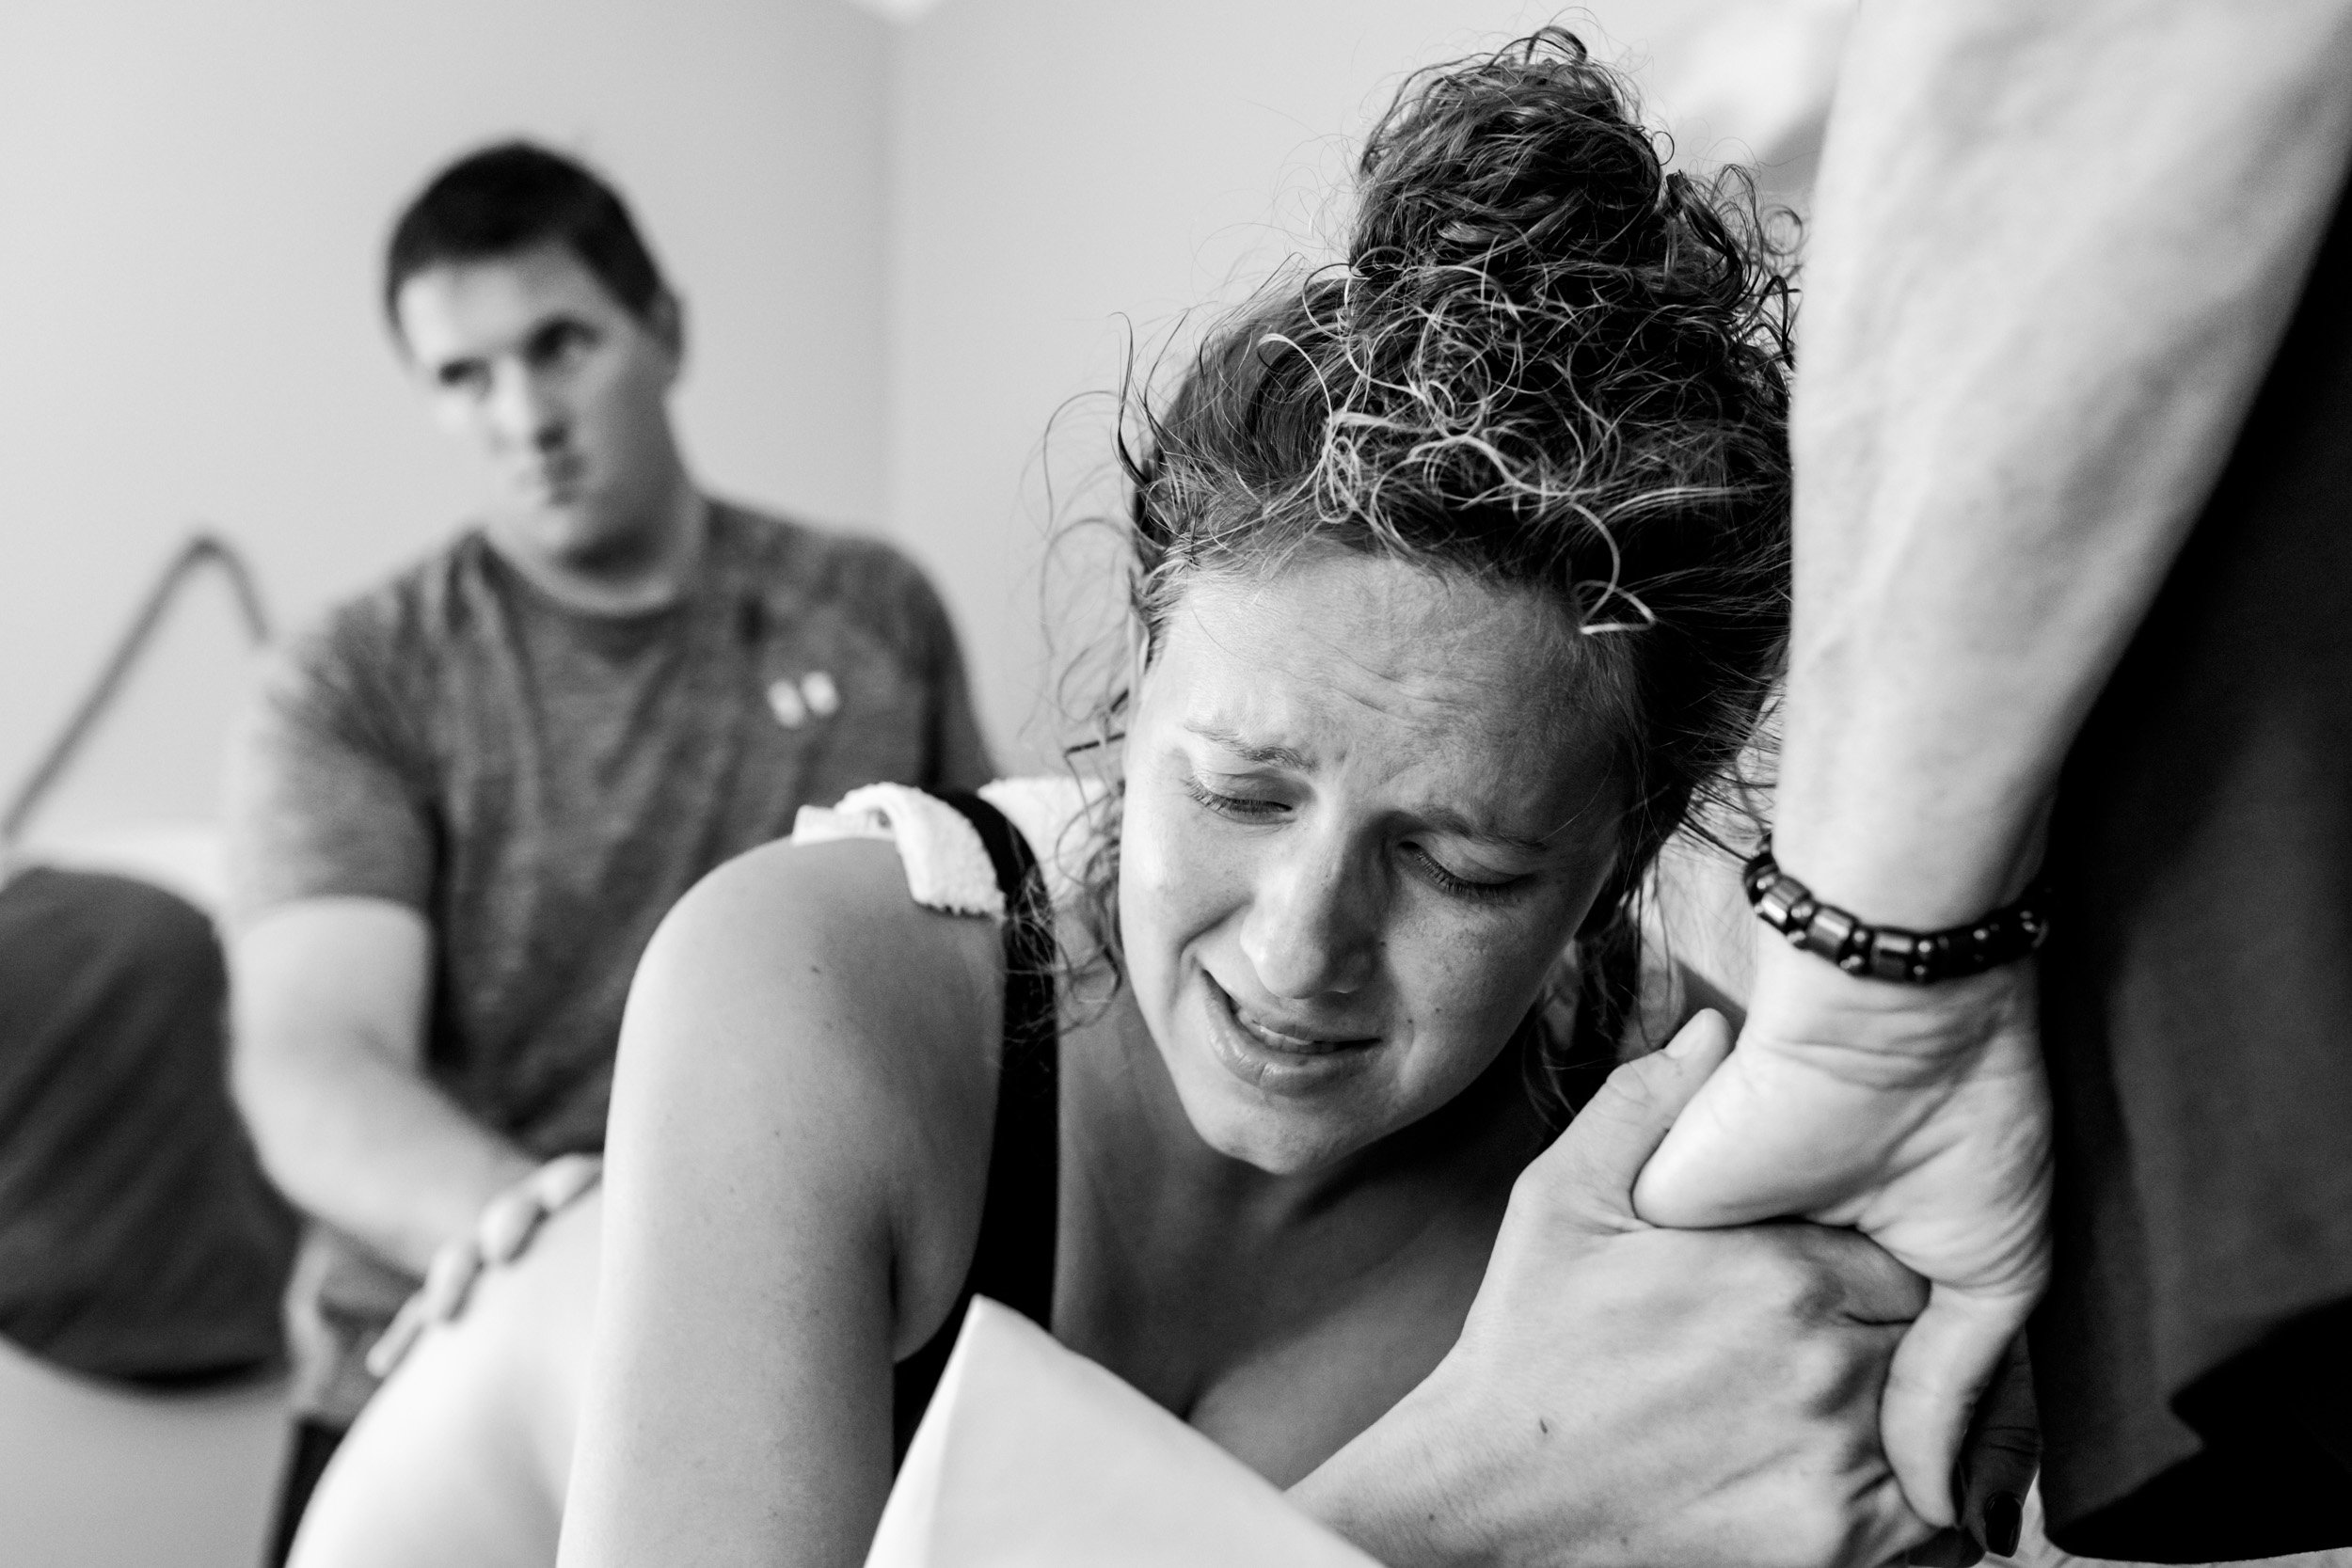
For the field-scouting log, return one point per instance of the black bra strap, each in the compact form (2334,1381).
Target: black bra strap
(1013,1259)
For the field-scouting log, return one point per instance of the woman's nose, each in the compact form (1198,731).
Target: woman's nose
(1312,928)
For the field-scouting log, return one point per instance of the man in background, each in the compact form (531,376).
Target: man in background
(464,799)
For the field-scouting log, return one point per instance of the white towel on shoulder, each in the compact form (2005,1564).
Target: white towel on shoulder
(947,866)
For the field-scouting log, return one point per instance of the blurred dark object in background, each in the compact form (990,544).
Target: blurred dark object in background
(138,1238)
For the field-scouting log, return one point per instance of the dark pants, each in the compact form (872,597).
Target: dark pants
(314,1444)
(2194,1358)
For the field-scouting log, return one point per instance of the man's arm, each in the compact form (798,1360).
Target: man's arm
(332,859)
(329,997)
(2056,249)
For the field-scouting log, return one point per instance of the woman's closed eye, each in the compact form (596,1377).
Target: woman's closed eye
(1241,808)
(1259,808)
(1478,889)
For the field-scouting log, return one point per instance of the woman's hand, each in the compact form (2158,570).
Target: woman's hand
(1996,1468)
(499,1235)
(1623,1394)
(1920,1115)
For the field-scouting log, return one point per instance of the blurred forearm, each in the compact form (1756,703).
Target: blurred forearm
(328,998)
(2055,249)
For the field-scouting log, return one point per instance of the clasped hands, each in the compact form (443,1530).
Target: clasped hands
(1920,1116)
(500,1235)
(1624,1394)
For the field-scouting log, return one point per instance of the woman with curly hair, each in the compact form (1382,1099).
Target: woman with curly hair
(1458,572)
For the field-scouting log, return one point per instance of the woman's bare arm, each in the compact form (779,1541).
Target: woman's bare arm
(794,1162)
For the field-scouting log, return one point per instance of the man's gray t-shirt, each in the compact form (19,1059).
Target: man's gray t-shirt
(543,783)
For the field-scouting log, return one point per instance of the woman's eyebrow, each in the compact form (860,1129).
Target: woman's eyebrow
(1277,756)
(1455,823)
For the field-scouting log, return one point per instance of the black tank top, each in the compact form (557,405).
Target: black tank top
(1014,1259)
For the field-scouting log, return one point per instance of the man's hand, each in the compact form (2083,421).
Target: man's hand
(1622,1394)
(498,1237)
(1918,1115)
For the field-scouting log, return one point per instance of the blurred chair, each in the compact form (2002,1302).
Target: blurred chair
(142,1255)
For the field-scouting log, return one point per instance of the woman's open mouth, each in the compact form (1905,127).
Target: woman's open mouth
(1277,1039)
(1280,1058)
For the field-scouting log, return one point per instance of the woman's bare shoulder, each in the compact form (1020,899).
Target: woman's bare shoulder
(821,924)
(800,981)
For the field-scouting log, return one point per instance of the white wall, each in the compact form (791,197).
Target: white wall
(903,248)
(193,200)
(1060,164)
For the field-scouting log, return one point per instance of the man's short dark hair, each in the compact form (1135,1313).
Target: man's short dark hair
(514,196)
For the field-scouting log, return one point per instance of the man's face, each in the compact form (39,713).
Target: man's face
(567,392)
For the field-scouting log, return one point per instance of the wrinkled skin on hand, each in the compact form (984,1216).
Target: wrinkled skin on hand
(1623,1394)
(1918,1115)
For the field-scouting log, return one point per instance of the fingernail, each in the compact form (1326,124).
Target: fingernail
(2004,1522)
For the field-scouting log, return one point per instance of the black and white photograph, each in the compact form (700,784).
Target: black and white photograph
(1244,784)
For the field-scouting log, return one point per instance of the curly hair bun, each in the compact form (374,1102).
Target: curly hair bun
(1521,188)
(1526,158)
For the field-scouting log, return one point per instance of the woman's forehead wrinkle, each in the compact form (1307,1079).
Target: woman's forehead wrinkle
(1469,706)
(1411,640)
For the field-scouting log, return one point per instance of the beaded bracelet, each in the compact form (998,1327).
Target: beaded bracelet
(1889,952)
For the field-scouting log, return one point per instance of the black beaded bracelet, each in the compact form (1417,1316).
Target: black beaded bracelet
(1888,951)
